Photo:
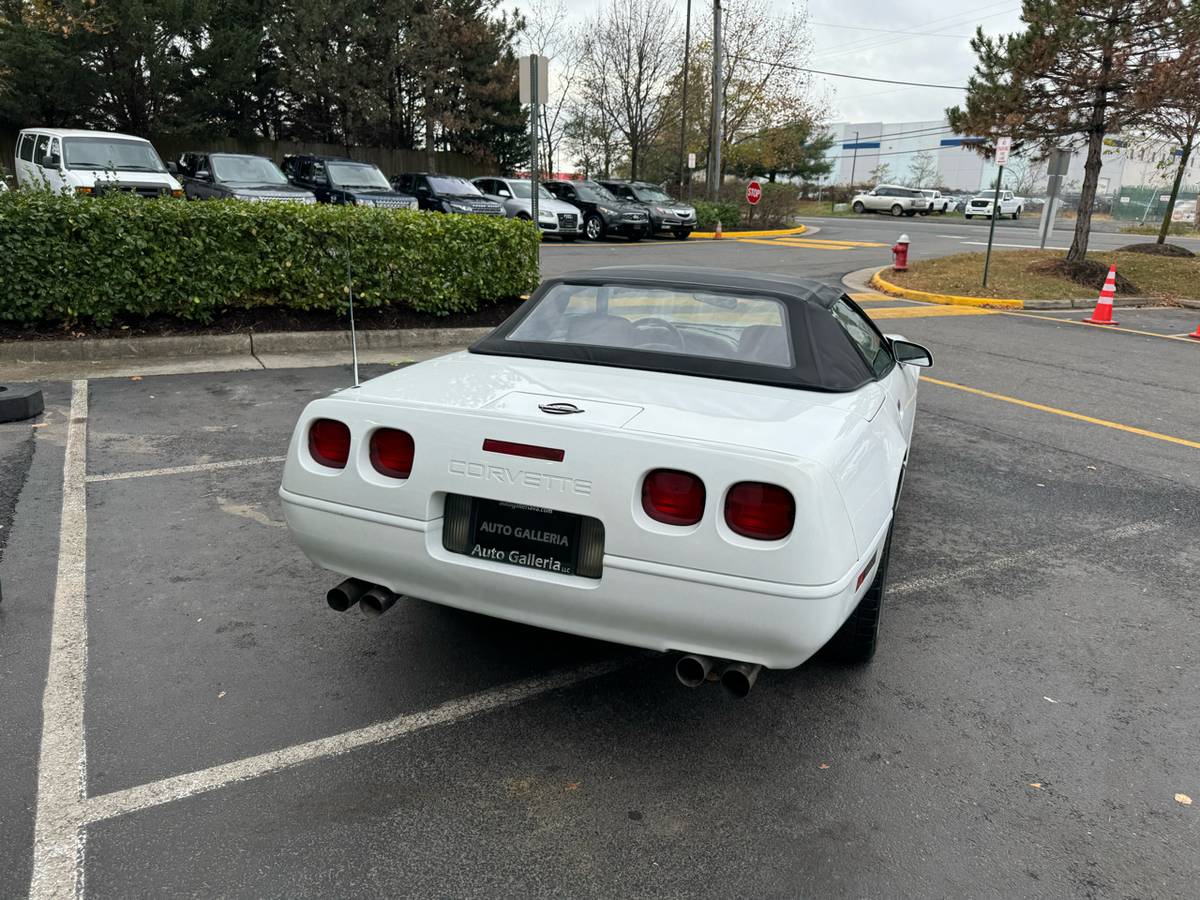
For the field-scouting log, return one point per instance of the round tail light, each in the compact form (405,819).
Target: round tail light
(329,443)
(392,452)
(765,512)
(673,497)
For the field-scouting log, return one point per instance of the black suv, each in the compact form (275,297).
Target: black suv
(235,176)
(666,213)
(603,214)
(336,179)
(446,194)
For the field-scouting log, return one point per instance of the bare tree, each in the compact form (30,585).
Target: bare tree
(923,170)
(1025,175)
(633,49)
(548,33)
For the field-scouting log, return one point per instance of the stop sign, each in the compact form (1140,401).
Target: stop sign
(753,192)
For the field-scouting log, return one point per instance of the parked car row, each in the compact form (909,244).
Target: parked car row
(89,162)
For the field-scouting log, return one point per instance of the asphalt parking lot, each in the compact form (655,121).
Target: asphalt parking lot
(215,730)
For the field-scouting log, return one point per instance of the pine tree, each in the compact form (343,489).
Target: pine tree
(1079,71)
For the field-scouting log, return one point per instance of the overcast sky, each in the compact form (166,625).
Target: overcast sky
(849,37)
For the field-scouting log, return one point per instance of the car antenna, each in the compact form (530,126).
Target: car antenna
(350,294)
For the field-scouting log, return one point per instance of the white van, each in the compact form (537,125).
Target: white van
(86,161)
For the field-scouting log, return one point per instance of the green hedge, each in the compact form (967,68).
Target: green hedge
(708,213)
(68,259)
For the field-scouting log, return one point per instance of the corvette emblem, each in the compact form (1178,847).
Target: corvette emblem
(559,409)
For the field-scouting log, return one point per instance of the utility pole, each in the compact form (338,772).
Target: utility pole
(718,106)
(687,43)
(853,162)
(534,178)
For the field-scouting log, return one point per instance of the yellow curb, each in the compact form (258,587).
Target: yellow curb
(778,232)
(887,287)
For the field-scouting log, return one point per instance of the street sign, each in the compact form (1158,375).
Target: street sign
(1003,148)
(1124,199)
(1164,198)
(543,79)
(691,160)
(753,193)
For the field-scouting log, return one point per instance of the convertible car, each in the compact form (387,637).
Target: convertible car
(698,461)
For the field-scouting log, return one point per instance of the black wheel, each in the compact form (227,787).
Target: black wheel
(854,643)
(858,207)
(593,228)
(1016,213)
(682,235)
(897,210)
(635,236)
(966,215)
(911,213)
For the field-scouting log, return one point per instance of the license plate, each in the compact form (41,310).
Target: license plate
(529,536)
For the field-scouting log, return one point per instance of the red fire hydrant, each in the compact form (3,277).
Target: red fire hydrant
(900,254)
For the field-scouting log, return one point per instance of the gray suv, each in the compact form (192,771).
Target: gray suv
(891,198)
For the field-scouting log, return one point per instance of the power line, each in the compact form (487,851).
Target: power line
(888,30)
(955,19)
(763,62)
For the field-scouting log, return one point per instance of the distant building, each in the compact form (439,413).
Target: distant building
(1132,165)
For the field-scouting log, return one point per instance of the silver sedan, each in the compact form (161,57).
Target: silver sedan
(554,216)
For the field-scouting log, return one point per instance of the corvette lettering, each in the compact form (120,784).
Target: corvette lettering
(542,481)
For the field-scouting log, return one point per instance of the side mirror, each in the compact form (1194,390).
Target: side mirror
(911,354)
(52,161)
(173,169)
(203,175)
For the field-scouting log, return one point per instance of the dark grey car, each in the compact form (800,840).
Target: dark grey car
(665,212)
(236,176)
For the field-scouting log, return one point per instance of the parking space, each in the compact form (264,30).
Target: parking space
(212,728)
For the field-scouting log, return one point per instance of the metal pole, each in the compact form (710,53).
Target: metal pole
(853,162)
(687,43)
(534,180)
(350,296)
(987,260)
(718,107)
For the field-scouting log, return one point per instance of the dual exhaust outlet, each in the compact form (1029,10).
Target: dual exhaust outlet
(374,599)
(692,669)
(737,678)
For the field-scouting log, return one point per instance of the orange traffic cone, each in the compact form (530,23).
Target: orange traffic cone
(1102,314)
(717,235)
(1195,335)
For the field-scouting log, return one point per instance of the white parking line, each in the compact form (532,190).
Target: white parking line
(1047,551)
(62,774)
(179,787)
(184,470)
(1018,246)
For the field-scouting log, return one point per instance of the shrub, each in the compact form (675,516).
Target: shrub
(779,205)
(707,214)
(68,259)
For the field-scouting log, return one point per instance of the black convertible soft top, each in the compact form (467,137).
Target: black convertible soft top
(824,357)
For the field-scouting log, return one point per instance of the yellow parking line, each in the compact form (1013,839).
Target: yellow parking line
(922,312)
(1064,412)
(1154,334)
(804,240)
(787,246)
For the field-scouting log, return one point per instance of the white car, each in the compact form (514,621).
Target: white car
(891,198)
(1011,206)
(688,460)
(554,216)
(86,162)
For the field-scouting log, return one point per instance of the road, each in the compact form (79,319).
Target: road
(1023,731)
(833,246)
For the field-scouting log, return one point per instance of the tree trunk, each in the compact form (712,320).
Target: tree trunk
(1087,192)
(1166,222)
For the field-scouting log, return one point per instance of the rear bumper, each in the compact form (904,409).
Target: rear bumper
(635,602)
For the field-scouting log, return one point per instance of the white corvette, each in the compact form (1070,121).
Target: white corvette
(697,461)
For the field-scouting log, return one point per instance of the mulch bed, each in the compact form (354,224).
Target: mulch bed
(1152,249)
(1089,273)
(264,319)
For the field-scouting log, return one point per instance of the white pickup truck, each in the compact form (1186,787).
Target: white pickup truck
(1010,205)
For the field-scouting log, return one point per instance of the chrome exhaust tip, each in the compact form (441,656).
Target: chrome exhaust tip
(346,594)
(377,601)
(739,677)
(692,670)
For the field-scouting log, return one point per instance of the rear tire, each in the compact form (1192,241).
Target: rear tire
(897,210)
(1016,213)
(859,208)
(966,216)
(854,643)
(682,235)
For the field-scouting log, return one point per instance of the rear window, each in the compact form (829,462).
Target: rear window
(749,330)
